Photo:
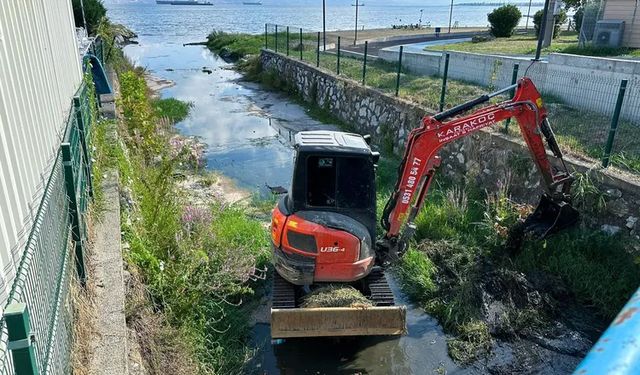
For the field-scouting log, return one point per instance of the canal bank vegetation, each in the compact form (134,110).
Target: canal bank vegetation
(234,46)
(193,265)
(460,268)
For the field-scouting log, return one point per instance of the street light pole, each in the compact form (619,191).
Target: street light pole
(450,15)
(324,25)
(541,32)
(355,38)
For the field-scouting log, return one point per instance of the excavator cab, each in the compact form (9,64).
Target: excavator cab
(324,228)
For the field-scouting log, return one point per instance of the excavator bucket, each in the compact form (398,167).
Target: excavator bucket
(550,217)
(338,321)
(383,318)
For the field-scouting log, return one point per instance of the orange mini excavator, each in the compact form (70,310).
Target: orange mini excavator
(324,229)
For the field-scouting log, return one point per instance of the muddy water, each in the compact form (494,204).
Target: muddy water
(247,131)
(422,351)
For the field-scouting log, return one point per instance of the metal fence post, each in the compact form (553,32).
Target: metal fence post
(276,39)
(301,46)
(74,212)
(338,67)
(445,74)
(614,124)
(287,40)
(514,78)
(266,36)
(364,64)
(318,52)
(83,128)
(20,340)
(399,71)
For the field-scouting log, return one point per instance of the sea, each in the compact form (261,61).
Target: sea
(195,22)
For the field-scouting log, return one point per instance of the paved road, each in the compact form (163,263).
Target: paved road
(375,47)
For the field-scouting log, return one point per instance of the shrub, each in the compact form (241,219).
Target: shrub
(559,20)
(504,20)
(94,12)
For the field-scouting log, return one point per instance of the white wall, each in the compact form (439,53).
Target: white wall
(588,83)
(39,74)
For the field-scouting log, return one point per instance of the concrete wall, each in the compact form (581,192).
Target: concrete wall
(588,83)
(484,158)
(39,73)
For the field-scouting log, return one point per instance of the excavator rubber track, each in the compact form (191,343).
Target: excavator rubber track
(288,320)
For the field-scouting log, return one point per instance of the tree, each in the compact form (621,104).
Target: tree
(559,20)
(94,12)
(504,20)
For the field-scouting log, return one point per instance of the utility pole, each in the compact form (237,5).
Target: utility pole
(324,25)
(551,23)
(526,26)
(450,15)
(542,30)
(355,38)
(84,19)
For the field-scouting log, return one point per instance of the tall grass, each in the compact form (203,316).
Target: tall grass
(199,263)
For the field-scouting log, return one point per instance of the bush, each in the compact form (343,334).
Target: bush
(559,20)
(504,20)
(94,12)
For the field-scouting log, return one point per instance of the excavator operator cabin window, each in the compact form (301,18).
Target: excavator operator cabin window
(321,181)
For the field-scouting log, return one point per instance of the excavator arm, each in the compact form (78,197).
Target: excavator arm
(421,160)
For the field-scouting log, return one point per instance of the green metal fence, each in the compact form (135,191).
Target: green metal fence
(596,121)
(36,329)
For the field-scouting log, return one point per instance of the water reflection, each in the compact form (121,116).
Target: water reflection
(239,123)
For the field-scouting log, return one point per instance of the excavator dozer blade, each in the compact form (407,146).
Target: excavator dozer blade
(338,321)
(550,217)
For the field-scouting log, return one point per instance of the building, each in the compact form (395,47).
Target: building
(42,123)
(629,12)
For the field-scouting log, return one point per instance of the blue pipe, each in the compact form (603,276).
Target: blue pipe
(618,350)
(99,74)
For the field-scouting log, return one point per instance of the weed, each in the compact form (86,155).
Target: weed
(473,340)
(587,197)
(173,109)
(586,260)
(199,263)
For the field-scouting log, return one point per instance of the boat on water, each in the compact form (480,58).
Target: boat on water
(183,2)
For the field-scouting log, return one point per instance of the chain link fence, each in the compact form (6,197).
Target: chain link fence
(583,107)
(37,326)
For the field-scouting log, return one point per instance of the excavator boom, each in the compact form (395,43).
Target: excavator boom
(421,161)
